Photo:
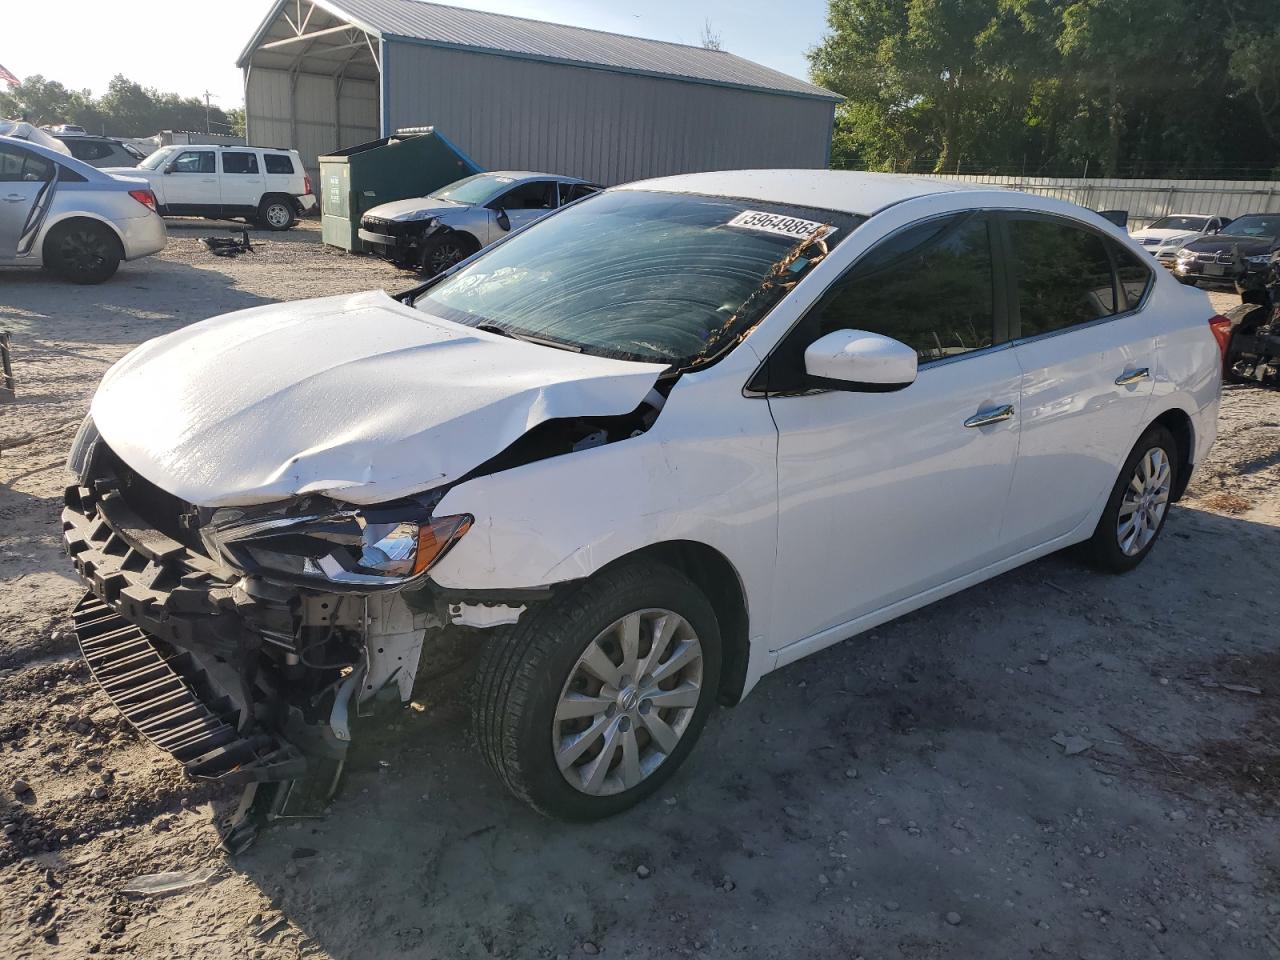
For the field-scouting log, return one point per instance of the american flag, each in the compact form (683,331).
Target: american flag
(8,77)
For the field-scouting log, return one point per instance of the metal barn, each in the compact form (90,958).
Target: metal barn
(320,75)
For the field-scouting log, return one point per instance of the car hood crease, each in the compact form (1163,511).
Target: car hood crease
(360,398)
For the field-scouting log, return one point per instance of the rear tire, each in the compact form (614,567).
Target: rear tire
(276,213)
(83,251)
(539,695)
(1139,503)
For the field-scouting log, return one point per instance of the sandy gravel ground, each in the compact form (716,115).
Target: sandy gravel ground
(898,796)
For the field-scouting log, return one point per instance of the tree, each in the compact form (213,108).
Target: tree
(1114,86)
(127,109)
(710,39)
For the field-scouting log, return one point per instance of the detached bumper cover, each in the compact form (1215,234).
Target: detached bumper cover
(158,631)
(171,700)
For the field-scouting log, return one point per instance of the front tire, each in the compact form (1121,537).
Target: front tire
(437,254)
(1139,503)
(83,251)
(591,702)
(276,213)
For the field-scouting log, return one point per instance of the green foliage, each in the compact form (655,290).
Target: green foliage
(127,109)
(1122,87)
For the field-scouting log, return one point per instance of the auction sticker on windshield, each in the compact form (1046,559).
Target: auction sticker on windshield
(778,223)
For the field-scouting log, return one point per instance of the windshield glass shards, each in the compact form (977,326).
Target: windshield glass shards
(640,275)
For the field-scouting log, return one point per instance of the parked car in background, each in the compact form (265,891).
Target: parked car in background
(101,151)
(264,185)
(21,130)
(1164,237)
(1243,248)
(433,233)
(667,439)
(61,213)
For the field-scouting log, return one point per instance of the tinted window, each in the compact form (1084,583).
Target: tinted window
(239,162)
(538,195)
(570,192)
(194,161)
(18,165)
(1134,274)
(930,286)
(88,150)
(278,163)
(1064,276)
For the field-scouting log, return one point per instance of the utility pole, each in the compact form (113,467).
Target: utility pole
(207,96)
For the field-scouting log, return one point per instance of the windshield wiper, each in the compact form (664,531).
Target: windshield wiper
(528,337)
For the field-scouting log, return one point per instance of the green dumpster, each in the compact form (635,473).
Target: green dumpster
(411,163)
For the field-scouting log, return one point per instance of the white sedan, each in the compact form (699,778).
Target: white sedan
(1163,238)
(637,456)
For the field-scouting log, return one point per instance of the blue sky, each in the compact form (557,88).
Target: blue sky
(189,47)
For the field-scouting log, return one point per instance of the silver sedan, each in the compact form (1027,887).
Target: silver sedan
(61,213)
(434,232)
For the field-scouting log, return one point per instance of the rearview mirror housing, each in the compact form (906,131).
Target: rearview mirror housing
(859,361)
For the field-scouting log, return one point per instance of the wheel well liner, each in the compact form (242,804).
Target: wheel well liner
(713,574)
(1179,424)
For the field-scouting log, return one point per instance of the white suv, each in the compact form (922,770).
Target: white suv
(264,185)
(636,455)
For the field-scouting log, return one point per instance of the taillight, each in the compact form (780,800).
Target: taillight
(1220,327)
(144,197)
(306,183)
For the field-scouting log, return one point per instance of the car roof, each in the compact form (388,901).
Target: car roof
(848,191)
(529,175)
(79,166)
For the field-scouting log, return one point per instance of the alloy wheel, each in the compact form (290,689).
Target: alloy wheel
(443,257)
(628,701)
(83,251)
(1146,498)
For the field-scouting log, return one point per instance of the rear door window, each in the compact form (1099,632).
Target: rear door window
(1063,275)
(235,162)
(19,166)
(278,162)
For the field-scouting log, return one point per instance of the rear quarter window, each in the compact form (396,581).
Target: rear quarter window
(1133,272)
(278,163)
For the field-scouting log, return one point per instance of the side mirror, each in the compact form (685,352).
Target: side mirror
(860,361)
(169,169)
(501,216)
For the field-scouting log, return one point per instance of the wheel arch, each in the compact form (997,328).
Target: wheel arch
(1178,422)
(71,217)
(715,575)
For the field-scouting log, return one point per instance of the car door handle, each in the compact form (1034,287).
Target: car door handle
(14,198)
(985,418)
(1133,376)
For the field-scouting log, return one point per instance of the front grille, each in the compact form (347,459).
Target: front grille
(1149,242)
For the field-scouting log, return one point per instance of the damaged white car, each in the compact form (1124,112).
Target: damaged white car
(670,438)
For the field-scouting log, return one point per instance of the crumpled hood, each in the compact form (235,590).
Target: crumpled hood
(415,208)
(357,397)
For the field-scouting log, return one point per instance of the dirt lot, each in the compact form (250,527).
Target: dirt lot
(896,796)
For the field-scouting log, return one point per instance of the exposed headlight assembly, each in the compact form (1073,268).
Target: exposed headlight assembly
(367,548)
(1185,254)
(1259,261)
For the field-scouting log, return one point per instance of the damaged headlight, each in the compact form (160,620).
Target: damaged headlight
(369,547)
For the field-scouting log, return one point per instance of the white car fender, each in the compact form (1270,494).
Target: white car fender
(697,475)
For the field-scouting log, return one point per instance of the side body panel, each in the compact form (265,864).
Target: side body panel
(705,472)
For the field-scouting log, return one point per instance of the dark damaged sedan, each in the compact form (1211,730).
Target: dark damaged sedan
(1244,249)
